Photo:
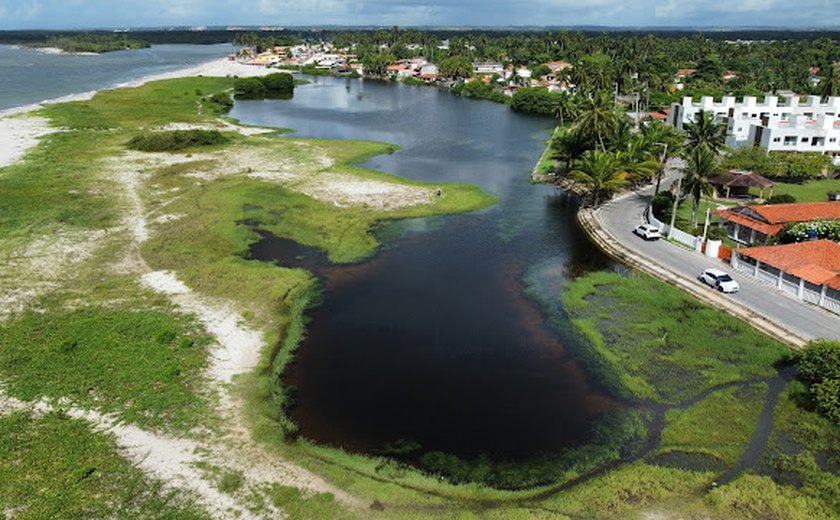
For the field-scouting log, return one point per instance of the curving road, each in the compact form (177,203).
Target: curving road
(621,215)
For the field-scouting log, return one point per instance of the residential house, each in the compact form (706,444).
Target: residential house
(488,68)
(755,224)
(737,183)
(809,271)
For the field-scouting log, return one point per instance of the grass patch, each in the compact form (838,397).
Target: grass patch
(297,506)
(808,191)
(651,341)
(720,425)
(55,467)
(144,365)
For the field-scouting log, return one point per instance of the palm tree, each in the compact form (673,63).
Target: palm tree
(701,168)
(664,142)
(706,131)
(598,117)
(637,160)
(600,172)
(565,106)
(568,145)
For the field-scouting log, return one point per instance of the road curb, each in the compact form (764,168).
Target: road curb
(588,221)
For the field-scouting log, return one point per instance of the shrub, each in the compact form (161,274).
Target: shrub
(176,140)
(534,101)
(820,229)
(797,166)
(280,82)
(222,101)
(784,198)
(662,205)
(819,368)
(249,88)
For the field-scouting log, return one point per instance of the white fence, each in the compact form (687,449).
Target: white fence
(678,235)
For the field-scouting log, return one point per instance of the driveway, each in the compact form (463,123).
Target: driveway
(621,215)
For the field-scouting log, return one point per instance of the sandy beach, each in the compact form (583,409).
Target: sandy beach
(20,133)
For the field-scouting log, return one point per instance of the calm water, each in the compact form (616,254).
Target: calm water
(434,341)
(29,76)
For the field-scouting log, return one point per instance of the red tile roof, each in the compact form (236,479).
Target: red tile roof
(817,262)
(686,72)
(775,216)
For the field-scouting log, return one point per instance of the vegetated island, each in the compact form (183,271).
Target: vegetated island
(90,43)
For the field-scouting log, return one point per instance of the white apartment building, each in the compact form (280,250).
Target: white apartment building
(790,126)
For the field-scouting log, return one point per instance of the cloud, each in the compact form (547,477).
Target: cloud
(107,13)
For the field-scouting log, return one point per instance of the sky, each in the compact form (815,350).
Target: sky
(75,14)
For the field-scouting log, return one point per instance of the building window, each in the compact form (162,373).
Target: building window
(790,140)
(804,139)
(832,140)
(818,141)
(777,139)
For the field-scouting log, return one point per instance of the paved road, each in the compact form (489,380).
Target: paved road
(620,216)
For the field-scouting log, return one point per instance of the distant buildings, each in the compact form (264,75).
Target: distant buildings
(789,126)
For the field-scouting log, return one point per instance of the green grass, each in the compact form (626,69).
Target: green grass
(297,506)
(810,191)
(719,426)
(651,341)
(55,467)
(144,365)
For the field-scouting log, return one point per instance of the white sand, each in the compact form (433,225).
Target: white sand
(18,135)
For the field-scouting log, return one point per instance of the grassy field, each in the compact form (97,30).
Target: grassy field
(653,342)
(55,467)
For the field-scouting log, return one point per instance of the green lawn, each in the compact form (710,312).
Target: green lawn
(811,191)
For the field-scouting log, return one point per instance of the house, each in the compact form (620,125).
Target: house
(809,271)
(790,125)
(557,66)
(400,71)
(737,183)
(755,224)
(488,68)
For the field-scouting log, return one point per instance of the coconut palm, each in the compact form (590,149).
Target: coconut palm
(707,131)
(565,107)
(701,167)
(568,145)
(664,142)
(637,160)
(600,172)
(598,118)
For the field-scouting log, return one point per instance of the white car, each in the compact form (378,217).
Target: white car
(719,280)
(648,232)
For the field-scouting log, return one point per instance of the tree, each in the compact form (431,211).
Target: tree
(456,67)
(706,131)
(568,146)
(565,107)
(534,100)
(819,369)
(249,88)
(665,142)
(600,172)
(701,168)
(598,117)
(376,64)
(279,83)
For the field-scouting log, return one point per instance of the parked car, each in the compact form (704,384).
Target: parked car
(719,280)
(647,231)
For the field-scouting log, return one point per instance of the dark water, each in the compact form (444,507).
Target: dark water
(30,76)
(434,340)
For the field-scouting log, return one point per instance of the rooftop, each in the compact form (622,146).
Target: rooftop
(817,262)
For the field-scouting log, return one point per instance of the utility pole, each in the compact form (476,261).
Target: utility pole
(674,209)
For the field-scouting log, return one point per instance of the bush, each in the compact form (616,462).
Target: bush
(662,205)
(534,101)
(819,229)
(481,90)
(222,101)
(249,88)
(819,368)
(784,198)
(280,82)
(176,140)
(797,166)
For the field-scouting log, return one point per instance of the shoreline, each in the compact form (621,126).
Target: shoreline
(20,134)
